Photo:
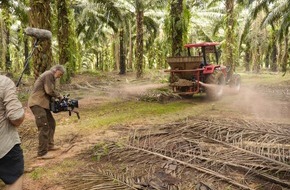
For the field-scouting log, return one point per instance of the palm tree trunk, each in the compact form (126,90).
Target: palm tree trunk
(247,56)
(40,15)
(285,55)
(8,62)
(122,54)
(101,66)
(97,60)
(63,38)
(116,52)
(230,36)
(274,66)
(273,53)
(139,42)
(130,60)
(177,27)
(6,39)
(267,56)
(256,64)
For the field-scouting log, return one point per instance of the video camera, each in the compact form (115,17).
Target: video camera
(65,104)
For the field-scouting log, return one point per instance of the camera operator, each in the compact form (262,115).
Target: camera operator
(43,91)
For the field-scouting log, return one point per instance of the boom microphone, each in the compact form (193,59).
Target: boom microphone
(38,33)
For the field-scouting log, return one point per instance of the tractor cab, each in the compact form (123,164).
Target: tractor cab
(206,50)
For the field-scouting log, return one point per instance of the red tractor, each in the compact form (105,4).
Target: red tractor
(200,72)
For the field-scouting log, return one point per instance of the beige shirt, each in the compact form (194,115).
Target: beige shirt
(43,90)
(10,109)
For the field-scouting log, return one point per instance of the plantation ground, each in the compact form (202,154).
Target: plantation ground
(112,107)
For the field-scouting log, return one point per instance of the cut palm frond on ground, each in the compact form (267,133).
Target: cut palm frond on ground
(236,154)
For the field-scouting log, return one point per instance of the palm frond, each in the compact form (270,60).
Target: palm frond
(166,156)
(258,8)
(273,16)
(98,179)
(264,156)
(151,28)
(283,31)
(244,31)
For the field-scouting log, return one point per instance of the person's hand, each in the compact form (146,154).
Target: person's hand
(60,97)
(17,122)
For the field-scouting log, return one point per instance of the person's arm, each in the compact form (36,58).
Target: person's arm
(13,107)
(49,86)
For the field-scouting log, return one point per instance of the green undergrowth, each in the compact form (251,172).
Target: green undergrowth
(126,112)
(66,166)
(269,78)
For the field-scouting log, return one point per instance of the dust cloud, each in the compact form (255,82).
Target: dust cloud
(248,99)
(260,105)
(255,102)
(131,90)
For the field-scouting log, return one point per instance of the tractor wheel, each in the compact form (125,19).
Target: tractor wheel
(235,83)
(214,85)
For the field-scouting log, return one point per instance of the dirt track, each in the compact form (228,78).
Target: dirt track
(263,109)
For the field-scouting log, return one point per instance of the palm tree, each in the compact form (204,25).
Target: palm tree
(122,52)
(141,7)
(230,41)
(277,17)
(40,17)
(6,24)
(215,20)
(176,13)
(116,17)
(63,36)
(281,13)
(251,36)
(98,21)
(139,37)
(16,37)
(205,21)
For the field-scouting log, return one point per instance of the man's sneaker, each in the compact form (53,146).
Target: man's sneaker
(53,148)
(46,156)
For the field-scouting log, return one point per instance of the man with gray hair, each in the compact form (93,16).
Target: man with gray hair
(43,91)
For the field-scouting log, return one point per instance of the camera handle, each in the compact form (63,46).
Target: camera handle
(76,112)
